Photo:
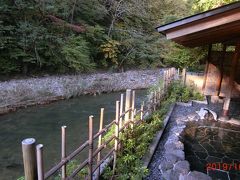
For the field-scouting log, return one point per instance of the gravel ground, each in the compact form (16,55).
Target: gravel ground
(178,112)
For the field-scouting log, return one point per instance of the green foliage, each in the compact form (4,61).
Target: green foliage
(203,5)
(135,143)
(71,166)
(21,178)
(179,92)
(181,57)
(77,54)
(111,50)
(119,35)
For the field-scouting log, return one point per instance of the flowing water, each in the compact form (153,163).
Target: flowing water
(44,124)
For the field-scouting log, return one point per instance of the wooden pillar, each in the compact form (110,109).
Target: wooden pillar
(127,105)
(184,71)
(231,80)
(206,67)
(64,170)
(219,83)
(29,158)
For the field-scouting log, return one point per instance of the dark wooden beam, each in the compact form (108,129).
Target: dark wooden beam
(197,17)
(205,24)
(206,67)
(221,68)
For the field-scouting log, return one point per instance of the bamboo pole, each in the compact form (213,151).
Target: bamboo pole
(116,136)
(40,168)
(121,111)
(100,140)
(90,151)
(141,113)
(155,100)
(29,158)
(127,105)
(184,76)
(164,81)
(64,167)
(151,100)
(133,107)
(159,95)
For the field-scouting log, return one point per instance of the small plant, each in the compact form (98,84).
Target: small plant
(178,92)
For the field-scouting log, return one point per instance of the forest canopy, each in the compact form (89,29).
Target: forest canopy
(68,36)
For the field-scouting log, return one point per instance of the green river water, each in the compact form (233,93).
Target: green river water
(44,124)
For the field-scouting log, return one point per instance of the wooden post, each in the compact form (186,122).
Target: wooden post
(207,67)
(121,111)
(142,109)
(40,168)
(133,107)
(231,80)
(152,101)
(127,105)
(164,81)
(64,170)
(116,136)
(100,140)
(159,95)
(167,77)
(184,76)
(219,84)
(29,159)
(155,100)
(178,73)
(90,150)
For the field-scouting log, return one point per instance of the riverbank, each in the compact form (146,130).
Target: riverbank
(15,94)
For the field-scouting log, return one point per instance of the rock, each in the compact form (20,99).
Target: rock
(171,158)
(173,145)
(177,130)
(178,153)
(205,112)
(194,175)
(202,113)
(173,138)
(170,175)
(193,117)
(164,166)
(182,167)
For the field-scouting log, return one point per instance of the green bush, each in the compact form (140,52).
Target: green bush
(178,92)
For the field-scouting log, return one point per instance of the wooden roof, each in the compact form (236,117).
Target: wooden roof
(220,25)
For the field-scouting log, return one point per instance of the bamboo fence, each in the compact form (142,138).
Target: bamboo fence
(96,161)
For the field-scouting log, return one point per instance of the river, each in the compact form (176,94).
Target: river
(44,124)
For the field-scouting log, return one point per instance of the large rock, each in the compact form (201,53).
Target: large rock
(169,146)
(170,175)
(179,154)
(171,158)
(194,175)
(165,166)
(182,167)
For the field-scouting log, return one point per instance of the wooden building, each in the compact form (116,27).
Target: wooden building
(216,26)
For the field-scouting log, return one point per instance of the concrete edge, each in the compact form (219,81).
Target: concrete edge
(153,146)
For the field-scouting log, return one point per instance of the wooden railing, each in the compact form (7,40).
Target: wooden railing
(127,118)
